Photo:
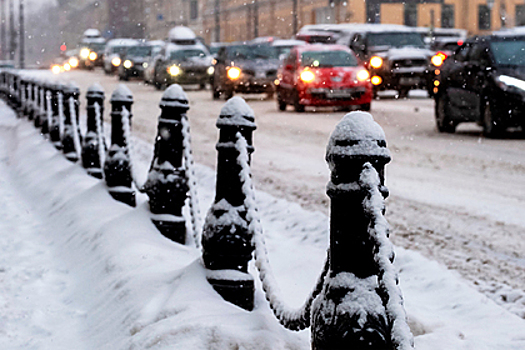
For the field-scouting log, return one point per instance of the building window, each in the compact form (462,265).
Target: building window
(411,14)
(373,12)
(194,9)
(483,17)
(520,15)
(447,16)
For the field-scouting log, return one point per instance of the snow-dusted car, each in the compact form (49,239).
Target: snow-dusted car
(113,51)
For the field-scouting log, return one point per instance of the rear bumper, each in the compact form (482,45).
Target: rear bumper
(336,97)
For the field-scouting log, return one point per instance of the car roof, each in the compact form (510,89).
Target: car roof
(322,47)
(288,42)
(122,42)
(175,47)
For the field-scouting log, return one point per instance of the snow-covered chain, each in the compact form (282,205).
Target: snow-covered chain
(60,114)
(126,129)
(292,319)
(192,182)
(388,279)
(101,143)
(74,125)
(49,111)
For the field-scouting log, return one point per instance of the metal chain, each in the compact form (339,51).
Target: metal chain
(292,319)
(384,256)
(129,147)
(195,214)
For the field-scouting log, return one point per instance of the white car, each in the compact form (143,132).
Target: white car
(114,49)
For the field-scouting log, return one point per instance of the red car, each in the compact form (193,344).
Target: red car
(323,75)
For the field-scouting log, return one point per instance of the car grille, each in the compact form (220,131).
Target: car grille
(407,63)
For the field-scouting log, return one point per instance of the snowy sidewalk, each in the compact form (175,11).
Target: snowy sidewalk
(82,271)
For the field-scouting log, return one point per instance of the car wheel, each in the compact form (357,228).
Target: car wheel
(365,107)
(492,125)
(444,122)
(403,93)
(228,93)
(296,104)
(281,104)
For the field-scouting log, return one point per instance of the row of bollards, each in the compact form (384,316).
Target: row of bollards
(357,303)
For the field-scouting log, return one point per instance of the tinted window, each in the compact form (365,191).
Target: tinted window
(328,59)
(181,55)
(252,52)
(511,53)
(395,39)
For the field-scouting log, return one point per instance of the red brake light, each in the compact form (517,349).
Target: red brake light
(460,42)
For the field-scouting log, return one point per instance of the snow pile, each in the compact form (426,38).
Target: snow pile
(82,271)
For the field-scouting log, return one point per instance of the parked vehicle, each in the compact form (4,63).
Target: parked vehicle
(134,61)
(483,82)
(323,75)
(182,64)
(245,68)
(113,51)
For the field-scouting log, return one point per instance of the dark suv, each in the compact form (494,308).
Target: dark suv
(245,68)
(395,55)
(483,82)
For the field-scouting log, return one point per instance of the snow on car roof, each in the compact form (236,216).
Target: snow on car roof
(181,33)
(122,42)
(92,32)
(288,42)
(356,27)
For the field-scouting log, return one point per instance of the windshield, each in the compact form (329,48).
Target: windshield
(98,47)
(323,59)
(181,55)
(118,49)
(140,51)
(509,53)
(396,39)
(252,52)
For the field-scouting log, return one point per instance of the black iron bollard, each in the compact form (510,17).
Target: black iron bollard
(117,167)
(166,185)
(40,113)
(350,312)
(71,138)
(226,241)
(22,96)
(55,134)
(94,146)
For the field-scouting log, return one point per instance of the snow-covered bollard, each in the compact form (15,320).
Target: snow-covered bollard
(38,102)
(44,106)
(167,185)
(94,146)
(226,240)
(54,129)
(117,165)
(71,136)
(361,305)
(21,112)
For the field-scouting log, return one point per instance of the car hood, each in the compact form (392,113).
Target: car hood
(258,65)
(402,53)
(194,62)
(136,59)
(515,72)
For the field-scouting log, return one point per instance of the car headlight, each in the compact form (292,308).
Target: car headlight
(376,80)
(73,62)
(116,61)
(174,70)
(363,75)
(307,76)
(56,69)
(376,62)
(84,53)
(145,64)
(234,73)
(210,70)
(67,67)
(504,81)
(127,64)
(92,56)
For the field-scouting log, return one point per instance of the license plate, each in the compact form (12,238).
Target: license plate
(339,93)
(409,81)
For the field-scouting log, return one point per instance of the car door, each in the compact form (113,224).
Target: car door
(289,72)
(476,77)
(455,78)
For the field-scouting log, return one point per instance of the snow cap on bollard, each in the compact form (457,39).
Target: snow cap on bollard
(71,89)
(236,112)
(357,136)
(174,96)
(95,91)
(122,94)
